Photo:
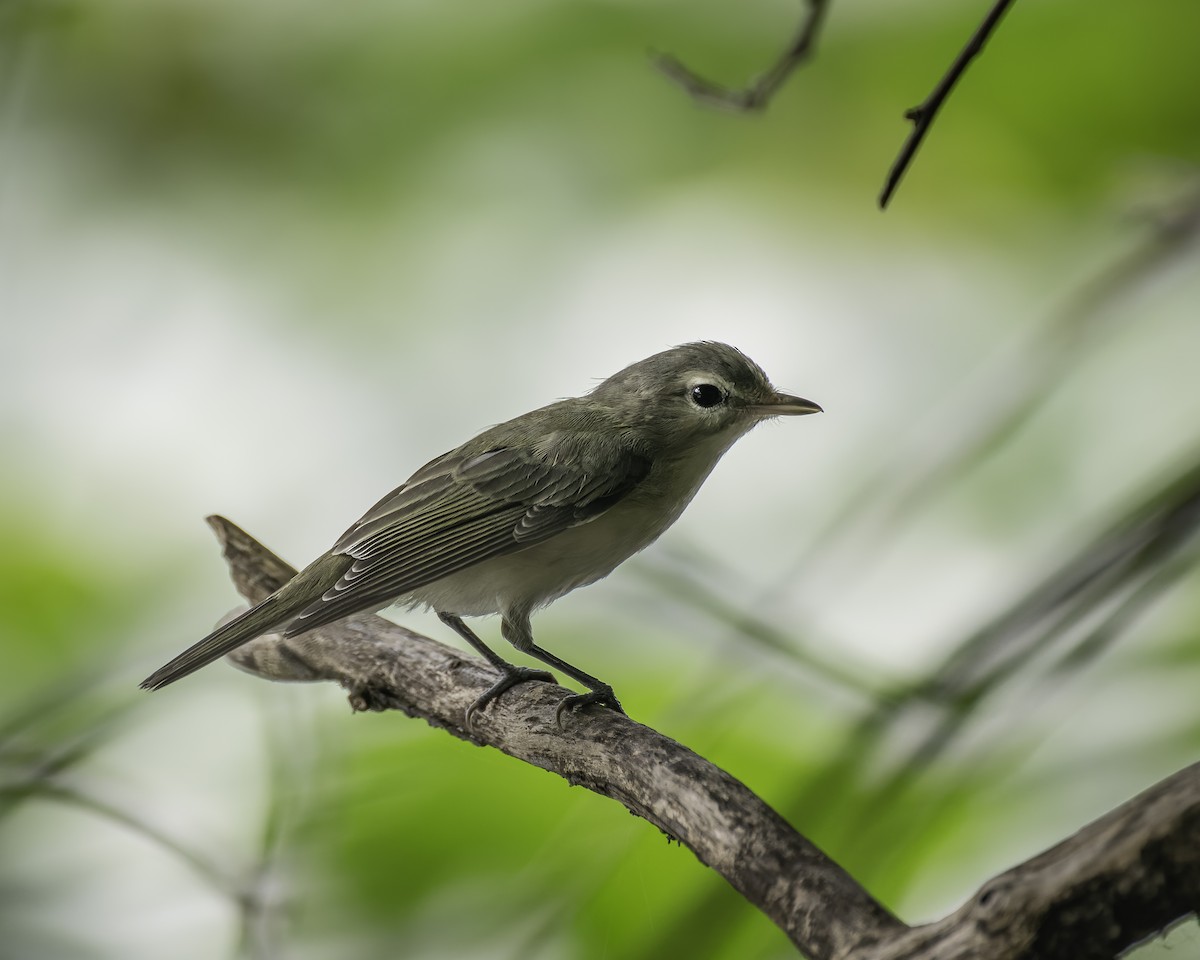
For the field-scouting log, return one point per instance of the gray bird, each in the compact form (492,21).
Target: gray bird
(527,511)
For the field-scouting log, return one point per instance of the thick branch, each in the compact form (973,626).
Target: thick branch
(1119,880)
(923,115)
(384,666)
(1124,877)
(759,93)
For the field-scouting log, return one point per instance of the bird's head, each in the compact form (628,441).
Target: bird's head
(694,391)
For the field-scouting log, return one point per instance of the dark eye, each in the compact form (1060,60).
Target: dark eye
(707,395)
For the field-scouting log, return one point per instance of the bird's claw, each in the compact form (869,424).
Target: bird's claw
(577,701)
(509,679)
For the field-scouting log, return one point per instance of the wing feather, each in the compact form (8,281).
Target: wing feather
(466,507)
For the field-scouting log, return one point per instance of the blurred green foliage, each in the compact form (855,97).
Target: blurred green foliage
(338,107)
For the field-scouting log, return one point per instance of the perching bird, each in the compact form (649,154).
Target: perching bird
(527,511)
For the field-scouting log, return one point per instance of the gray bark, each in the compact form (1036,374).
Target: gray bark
(1121,879)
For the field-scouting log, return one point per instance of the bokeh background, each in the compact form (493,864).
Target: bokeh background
(266,259)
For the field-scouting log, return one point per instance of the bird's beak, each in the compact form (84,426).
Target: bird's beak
(785,405)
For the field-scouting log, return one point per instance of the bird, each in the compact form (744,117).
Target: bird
(527,511)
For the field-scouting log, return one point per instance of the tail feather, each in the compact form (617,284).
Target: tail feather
(278,609)
(256,621)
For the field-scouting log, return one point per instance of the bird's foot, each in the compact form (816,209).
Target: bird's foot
(602,695)
(510,678)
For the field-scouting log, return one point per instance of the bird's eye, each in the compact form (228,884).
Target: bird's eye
(706,395)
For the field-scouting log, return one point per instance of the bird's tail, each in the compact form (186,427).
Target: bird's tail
(276,610)
(243,628)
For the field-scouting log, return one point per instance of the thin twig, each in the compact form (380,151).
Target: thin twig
(923,115)
(207,869)
(759,93)
(747,627)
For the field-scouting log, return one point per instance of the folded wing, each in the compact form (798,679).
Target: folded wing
(462,509)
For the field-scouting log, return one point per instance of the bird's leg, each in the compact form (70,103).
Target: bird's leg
(511,673)
(517,631)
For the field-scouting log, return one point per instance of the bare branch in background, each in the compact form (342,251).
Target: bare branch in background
(923,115)
(997,403)
(1128,875)
(759,93)
(36,768)
(1079,610)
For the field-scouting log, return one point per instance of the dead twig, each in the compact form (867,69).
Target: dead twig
(759,93)
(923,115)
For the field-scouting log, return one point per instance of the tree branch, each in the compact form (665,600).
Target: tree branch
(759,93)
(1131,873)
(923,115)
(384,666)
(1119,880)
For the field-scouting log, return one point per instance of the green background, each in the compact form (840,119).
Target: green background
(266,259)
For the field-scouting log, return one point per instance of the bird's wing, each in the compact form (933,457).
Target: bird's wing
(462,509)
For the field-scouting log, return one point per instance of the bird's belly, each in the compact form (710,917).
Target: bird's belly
(544,572)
